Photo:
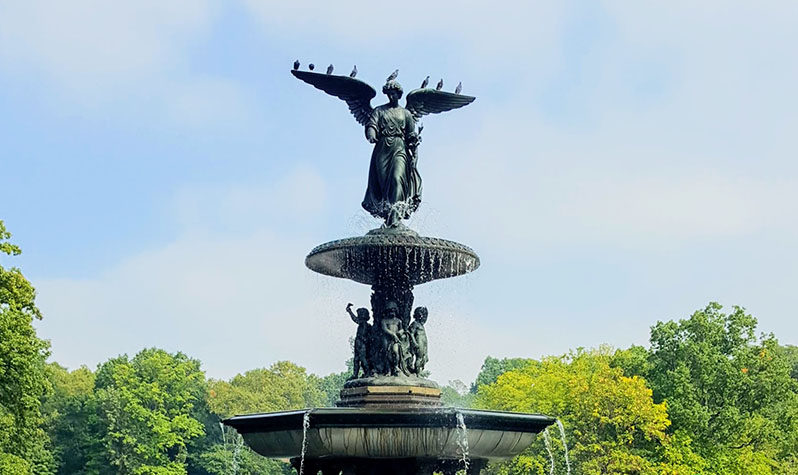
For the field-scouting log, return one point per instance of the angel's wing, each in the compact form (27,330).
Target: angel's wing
(355,92)
(421,102)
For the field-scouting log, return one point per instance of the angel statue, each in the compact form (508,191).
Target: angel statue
(394,186)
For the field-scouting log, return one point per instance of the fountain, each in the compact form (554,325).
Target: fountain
(389,419)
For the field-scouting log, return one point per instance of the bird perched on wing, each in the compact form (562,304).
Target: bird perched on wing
(311,66)
(354,72)
(439,86)
(296,65)
(392,76)
(458,88)
(425,82)
(330,69)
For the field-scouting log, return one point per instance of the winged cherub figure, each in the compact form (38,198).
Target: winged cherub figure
(394,187)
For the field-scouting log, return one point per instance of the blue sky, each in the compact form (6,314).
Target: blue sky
(623,163)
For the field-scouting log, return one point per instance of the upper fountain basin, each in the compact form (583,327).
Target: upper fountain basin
(392,257)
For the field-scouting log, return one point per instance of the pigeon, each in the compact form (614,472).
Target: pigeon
(458,88)
(311,66)
(439,86)
(425,82)
(296,65)
(354,72)
(392,76)
(330,69)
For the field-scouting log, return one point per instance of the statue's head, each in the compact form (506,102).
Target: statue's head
(363,315)
(393,90)
(420,314)
(391,309)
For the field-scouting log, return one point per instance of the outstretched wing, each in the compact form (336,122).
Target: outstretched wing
(355,92)
(421,102)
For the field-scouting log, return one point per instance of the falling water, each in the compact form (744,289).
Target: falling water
(224,441)
(305,427)
(462,441)
(547,441)
(565,446)
(237,452)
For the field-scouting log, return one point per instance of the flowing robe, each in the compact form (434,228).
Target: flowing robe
(394,187)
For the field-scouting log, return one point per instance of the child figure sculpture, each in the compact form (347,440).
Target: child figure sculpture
(361,340)
(418,339)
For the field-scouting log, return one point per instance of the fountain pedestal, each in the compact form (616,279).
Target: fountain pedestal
(401,393)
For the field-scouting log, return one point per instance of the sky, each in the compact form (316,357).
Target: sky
(624,163)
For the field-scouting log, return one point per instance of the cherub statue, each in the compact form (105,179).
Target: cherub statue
(418,339)
(392,334)
(394,187)
(361,340)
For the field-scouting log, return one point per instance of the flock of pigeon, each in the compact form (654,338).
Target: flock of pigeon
(393,76)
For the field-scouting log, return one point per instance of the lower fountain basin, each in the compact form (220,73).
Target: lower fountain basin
(382,434)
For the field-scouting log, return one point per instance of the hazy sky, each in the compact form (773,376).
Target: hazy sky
(623,163)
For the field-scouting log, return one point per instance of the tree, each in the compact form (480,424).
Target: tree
(790,354)
(612,422)
(493,367)
(283,386)
(148,410)
(457,394)
(730,391)
(72,421)
(23,442)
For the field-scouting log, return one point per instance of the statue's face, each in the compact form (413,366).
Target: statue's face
(394,96)
(391,311)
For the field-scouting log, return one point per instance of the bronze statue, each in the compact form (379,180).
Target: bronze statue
(394,186)
(392,333)
(361,340)
(418,340)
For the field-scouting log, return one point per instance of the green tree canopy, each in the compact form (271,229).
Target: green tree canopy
(612,422)
(148,409)
(23,382)
(731,391)
(72,421)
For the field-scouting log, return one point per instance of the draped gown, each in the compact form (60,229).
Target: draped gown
(394,187)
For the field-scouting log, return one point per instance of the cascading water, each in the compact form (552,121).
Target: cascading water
(237,452)
(565,446)
(462,440)
(305,427)
(547,442)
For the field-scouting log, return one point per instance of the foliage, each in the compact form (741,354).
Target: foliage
(493,367)
(457,394)
(611,419)
(790,355)
(733,393)
(72,422)
(283,386)
(147,409)
(23,442)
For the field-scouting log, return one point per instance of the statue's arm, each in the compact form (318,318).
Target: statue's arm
(411,135)
(351,313)
(371,128)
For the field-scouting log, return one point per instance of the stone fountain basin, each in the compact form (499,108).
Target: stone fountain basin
(383,257)
(385,434)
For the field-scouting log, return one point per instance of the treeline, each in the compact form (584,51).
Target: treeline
(707,396)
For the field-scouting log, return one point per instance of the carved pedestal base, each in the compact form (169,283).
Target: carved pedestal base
(393,397)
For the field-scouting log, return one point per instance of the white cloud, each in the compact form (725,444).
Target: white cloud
(83,43)
(102,55)
(234,301)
